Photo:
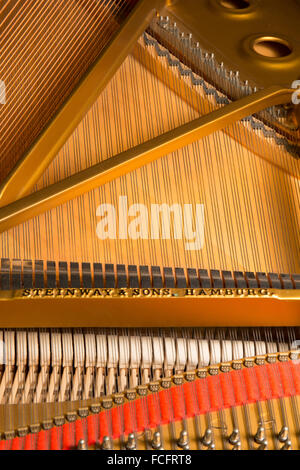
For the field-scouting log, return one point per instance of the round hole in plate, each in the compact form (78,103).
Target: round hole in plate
(272,47)
(235,4)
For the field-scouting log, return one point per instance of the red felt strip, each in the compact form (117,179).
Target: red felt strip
(178,402)
(274,380)
(129,417)
(153,410)
(91,427)
(141,415)
(238,387)
(263,383)
(227,390)
(67,436)
(15,445)
(190,399)
(202,396)
(251,385)
(79,431)
(215,397)
(42,441)
(214,392)
(295,370)
(54,440)
(166,408)
(286,379)
(117,428)
(103,425)
(28,442)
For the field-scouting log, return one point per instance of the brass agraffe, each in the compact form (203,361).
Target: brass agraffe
(99,174)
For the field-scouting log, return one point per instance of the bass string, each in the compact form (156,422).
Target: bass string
(41,56)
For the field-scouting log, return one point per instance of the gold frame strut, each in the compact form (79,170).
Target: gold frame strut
(107,170)
(29,169)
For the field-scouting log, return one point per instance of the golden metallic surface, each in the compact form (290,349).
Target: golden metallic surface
(31,166)
(256,43)
(247,184)
(230,33)
(135,307)
(58,193)
(250,197)
(191,95)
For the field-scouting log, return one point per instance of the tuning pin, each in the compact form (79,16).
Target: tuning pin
(131,443)
(82,445)
(156,441)
(287,445)
(106,443)
(237,446)
(234,437)
(211,446)
(207,438)
(283,434)
(263,445)
(183,441)
(260,435)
